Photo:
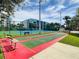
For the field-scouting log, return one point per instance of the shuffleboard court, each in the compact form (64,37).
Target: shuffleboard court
(27,49)
(34,43)
(33,36)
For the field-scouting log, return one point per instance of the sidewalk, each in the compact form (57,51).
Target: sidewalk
(58,51)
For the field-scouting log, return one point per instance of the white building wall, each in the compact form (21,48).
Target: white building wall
(25,24)
(77,11)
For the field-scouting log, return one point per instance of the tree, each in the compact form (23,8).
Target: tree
(7,7)
(56,26)
(13,27)
(20,26)
(53,26)
(75,23)
(67,21)
(1,25)
(48,26)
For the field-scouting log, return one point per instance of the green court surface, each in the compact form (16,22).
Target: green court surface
(33,36)
(34,43)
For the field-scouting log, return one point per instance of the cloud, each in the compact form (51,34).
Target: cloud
(71,11)
(50,8)
(23,15)
(42,1)
(61,2)
(50,13)
(53,17)
(75,1)
(59,7)
(54,8)
(36,2)
(50,20)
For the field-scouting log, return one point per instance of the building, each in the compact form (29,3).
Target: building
(25,23)
(77,12)
(33,24)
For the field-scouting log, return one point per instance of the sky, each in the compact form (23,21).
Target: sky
(50,10)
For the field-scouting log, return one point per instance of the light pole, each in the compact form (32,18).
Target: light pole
(40,16)
(60,20)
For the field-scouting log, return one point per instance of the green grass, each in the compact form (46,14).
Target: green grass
(1,55)
(34,43)
(71,40)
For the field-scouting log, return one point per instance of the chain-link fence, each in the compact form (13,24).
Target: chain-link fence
(22,27)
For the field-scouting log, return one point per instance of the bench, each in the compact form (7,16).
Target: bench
(26,33)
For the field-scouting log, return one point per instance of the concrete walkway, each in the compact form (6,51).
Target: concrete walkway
(58,51)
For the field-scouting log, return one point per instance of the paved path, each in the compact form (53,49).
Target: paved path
(58,51)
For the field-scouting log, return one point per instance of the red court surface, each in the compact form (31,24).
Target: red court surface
(23,52)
